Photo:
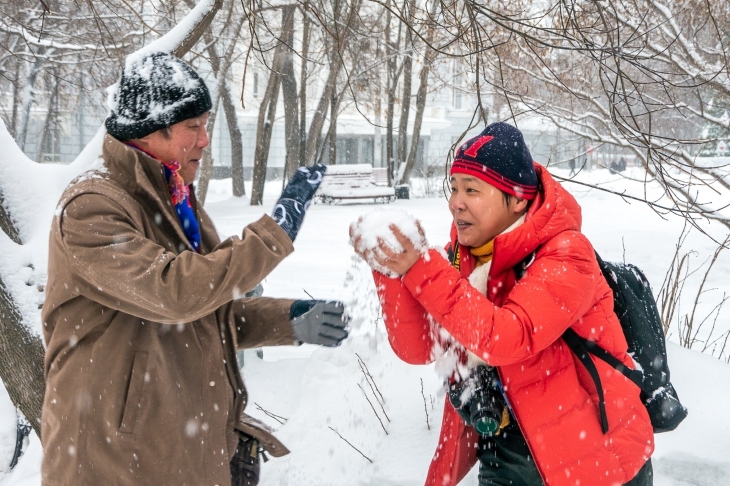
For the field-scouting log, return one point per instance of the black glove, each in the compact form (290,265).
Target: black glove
(319,322)
(296,197)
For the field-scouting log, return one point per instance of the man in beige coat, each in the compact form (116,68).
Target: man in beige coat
(144,313)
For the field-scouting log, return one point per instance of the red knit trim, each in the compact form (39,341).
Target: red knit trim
(490,176)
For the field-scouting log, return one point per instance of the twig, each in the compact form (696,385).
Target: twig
(278,418)
(371,406)
(348,443)
(367,371)
(425,408)
(367,379)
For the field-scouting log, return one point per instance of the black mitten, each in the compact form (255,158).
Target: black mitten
(296,198)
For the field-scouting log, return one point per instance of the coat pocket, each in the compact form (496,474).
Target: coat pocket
(135,393)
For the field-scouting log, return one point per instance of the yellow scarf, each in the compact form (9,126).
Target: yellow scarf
(483,253)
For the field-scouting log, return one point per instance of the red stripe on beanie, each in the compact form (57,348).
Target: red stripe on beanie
(480,171)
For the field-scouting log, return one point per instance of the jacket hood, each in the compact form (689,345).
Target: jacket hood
(553,211)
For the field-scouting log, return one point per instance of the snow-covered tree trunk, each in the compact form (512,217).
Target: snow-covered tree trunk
(27,103)
(21,361)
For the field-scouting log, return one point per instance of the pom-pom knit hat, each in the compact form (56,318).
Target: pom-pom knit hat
(499,157)
(155,92)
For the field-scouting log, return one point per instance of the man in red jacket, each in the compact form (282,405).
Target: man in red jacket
(534,405)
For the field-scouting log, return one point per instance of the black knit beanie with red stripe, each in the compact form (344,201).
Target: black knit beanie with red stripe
(499,157)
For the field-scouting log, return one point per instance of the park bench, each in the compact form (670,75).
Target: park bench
(352,182)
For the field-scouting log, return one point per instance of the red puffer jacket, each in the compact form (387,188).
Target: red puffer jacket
(518,328)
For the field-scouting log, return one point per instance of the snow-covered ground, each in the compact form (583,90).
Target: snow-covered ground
(324,392)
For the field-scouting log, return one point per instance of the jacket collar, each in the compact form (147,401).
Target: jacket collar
(144,178)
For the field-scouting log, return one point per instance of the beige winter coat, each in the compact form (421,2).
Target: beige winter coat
(142,385)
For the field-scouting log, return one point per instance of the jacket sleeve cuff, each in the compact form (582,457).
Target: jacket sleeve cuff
(272,233)
(262,321)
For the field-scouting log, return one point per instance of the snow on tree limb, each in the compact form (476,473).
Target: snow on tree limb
(181,38)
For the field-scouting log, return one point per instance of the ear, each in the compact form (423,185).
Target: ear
(518,206)
(143,142)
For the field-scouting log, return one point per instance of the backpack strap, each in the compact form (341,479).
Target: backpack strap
(636,376)
(576,344)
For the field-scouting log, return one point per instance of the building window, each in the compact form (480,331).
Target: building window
(255,84)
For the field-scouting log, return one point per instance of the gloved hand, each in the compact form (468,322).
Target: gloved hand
(296,198)
(319,322)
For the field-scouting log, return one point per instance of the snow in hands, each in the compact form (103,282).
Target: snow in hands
(370,229)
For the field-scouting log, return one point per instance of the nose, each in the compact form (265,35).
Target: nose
(203,139)
(455,202)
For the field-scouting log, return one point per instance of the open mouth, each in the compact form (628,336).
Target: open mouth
(460,225)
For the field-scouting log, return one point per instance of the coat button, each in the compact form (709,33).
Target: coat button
(212,383)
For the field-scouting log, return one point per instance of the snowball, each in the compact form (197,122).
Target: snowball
(376,225)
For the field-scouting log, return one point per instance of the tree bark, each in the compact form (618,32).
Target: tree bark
(290,95)
(193,35)
(405,102)
(7,223)
(239,189)
(28,99)
(417,122)
(223,94)
(303,87)
(393,78)
(428,58)
(332,132)
(12,128)
(320,113)
(21,361)
(51,118)
(264,129)
(336,63)
(206,167)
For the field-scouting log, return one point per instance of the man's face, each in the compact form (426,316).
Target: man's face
(479,210)
(185,144)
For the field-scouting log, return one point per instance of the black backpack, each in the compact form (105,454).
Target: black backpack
(636,309)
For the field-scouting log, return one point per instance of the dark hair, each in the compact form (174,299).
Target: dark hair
(507,199)
(166,133)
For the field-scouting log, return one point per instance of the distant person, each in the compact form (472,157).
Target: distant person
(144,313)
(571,164)
(519,273)
(613,166)
(618,166)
